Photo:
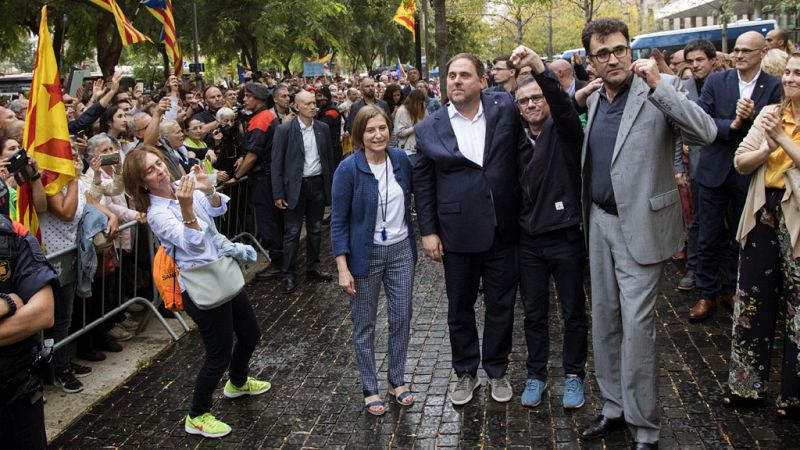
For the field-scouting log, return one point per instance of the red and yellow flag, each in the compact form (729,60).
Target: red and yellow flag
(162,11)
(46,134)
(127,32)
(405,15)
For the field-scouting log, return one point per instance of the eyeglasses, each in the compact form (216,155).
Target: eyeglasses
(746,51)
(536,99)
(604,55)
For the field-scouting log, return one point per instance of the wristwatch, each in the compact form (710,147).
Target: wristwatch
(12,305)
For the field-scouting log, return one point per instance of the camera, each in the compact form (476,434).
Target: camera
(109,159)
(18,161)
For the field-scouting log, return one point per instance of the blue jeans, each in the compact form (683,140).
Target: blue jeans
(562,255)
(64,298)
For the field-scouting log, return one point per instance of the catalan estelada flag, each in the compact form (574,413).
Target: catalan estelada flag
(46,135)
(405,15)
(162,11)
(326,61)
(400,73)
(127,32)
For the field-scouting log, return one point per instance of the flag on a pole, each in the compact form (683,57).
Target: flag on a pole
(127,32)
(162,11)
(405,15)
(400,71)
(46,136)
(326,61)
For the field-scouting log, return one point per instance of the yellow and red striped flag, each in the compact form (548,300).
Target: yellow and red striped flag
(46,135)
(405,15)
(162,11)
(127,32)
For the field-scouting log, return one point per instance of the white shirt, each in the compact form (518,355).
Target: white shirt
(470,134)
(394,221)
(311,164)
(190,246)
(746,88)
(58,235)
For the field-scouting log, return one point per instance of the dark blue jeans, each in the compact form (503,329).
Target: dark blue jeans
(562,255)
(717,249)
(694,228)
(310,206)
(217,327)
(64,298)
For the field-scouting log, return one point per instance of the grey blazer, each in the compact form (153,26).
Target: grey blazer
(641,167)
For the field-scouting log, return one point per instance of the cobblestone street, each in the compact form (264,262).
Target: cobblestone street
(315,401)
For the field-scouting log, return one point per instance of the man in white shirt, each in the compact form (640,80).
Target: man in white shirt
(302,174)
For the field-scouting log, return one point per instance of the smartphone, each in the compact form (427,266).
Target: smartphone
(109,159)
(140,87)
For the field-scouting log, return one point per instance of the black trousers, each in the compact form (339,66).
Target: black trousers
(217,327)
(719,212)
(22,425)
(269,219)
(310,206)
(562,255)
(463,272)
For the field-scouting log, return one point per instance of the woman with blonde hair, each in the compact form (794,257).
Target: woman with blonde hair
(774,62)
(769,268)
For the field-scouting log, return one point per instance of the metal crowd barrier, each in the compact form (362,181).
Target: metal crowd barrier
(131,282)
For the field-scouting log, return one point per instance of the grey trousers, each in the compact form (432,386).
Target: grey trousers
(623,327)
(392,266)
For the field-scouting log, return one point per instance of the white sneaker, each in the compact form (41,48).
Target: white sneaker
(119,334)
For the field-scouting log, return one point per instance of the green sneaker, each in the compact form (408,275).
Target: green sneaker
(207,426)
(251,387)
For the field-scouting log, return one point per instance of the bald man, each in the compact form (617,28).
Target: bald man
(563,70)
(302,175)
(779,38)
(7,117)
(675,60)
(732,98)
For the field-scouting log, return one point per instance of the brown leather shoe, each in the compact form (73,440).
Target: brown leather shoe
(702,309)
(727,300)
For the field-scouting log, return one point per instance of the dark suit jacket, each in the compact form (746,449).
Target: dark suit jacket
(459,200)
(718,99)
(288,156)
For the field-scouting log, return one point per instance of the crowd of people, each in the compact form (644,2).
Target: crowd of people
(513,179)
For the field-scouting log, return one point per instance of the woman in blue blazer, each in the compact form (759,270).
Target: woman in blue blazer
(373,243)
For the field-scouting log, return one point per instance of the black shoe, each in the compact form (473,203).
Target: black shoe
(91,355)
(601,426)
(68,382)
(270,273)
(289,285)
(106,345)
(80,371)
(319,275)
(645,445)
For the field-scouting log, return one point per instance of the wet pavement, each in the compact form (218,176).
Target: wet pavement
(316,401)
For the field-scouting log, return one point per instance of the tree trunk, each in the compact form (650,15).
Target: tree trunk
(588,10)
(108,52)
(162,48)
(58,40)
(442,46)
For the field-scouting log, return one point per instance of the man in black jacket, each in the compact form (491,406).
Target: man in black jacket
(551,242)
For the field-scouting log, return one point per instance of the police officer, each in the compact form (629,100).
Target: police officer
(26,307)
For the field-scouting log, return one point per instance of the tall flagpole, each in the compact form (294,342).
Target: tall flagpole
(424,39)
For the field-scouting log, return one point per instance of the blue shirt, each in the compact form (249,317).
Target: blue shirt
(189,247)
(602,140)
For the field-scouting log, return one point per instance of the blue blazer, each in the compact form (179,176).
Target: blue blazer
(355,206)
(718,99)
(464,203)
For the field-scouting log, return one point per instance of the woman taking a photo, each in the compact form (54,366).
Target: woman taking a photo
(179,216)
(768,265)
(373,243)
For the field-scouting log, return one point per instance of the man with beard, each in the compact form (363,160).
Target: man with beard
(329,115)
(367,87)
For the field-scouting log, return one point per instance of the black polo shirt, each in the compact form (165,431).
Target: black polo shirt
(602,139)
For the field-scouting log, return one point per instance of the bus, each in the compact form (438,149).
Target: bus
(670,41)
(567,54)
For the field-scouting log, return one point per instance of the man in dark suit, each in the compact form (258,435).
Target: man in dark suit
(302,172)
(701,56)
(732,98)
(467,196)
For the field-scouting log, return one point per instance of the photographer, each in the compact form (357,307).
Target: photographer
(26,308)
(17,168)
(227,138)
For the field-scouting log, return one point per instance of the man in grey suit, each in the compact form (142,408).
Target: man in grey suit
(632,213)
(302,173)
